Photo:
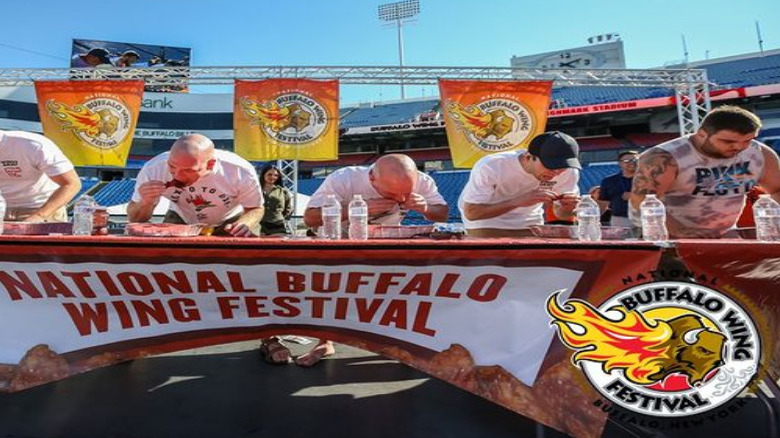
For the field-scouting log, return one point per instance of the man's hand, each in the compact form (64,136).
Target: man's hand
(416,202)
(380,205)
(35,218)
(536,196)
(237,229)
(151,191)
(568,201)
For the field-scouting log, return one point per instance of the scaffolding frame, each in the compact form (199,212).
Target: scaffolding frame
(690,86)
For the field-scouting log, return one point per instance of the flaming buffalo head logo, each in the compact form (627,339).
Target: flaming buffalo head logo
(76,118)
(275,117)
(496,123)
(647,351)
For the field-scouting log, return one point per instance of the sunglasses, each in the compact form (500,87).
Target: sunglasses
(629,160)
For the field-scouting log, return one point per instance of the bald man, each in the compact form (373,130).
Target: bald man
(204,185)
(392,186)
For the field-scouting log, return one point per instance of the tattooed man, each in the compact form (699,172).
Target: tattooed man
(703,178)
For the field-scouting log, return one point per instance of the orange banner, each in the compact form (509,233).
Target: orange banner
(295,119)
(93,122)
(488,117)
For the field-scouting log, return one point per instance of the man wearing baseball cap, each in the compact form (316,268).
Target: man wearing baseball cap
(93,58)
(506,191)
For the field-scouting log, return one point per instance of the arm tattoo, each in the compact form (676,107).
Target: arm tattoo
(652,167)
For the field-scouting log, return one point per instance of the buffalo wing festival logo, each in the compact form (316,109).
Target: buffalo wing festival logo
(666,349)
(101,121)
(494,124)
(292,117)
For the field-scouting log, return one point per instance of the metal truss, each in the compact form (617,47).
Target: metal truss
(691,88)
(376,75)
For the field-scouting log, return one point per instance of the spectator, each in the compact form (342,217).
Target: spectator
(506,191)
(94,58)
(616,188)
(204,185)
(278,202)
(128,58)
(37,181)
(703,178)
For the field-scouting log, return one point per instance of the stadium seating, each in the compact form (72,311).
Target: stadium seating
(387,114)
(86,185)
(115,193)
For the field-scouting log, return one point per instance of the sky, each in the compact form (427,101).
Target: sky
(38,33)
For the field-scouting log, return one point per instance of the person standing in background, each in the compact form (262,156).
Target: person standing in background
(278,202)
(616,188)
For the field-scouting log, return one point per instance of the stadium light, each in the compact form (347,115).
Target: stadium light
(399,12)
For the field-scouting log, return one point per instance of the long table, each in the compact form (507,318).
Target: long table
(486,315)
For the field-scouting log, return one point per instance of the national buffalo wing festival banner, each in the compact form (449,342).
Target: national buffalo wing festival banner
(91,121)
(484,117)
(576,337)
(294,119)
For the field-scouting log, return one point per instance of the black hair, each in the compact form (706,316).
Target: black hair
(268,168)
(620,155)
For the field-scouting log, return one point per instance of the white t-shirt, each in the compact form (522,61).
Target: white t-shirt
(224,193)
(499,177)
(353,180)
(28,161)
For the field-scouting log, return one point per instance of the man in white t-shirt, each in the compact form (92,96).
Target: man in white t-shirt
(506,191)
(37,180)
(203,185)
(391,187)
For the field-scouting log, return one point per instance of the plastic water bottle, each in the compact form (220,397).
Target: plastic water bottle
(653,214)
(2,213)
(766,213)
(358,218)
(83,216)
(331,218)
(588,220)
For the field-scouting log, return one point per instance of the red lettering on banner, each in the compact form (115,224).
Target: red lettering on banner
(135,283)
(342,304)
(366,309)
(486,287)
(254,307)
(53,286)
(286,306)
(208,281)
(107,282)
(184,309)
(124,315)
(420,284)
(445,287)
(79,279)
(226,306)
(317,305)
(152,308)
(355,280)
(85,317)
(318,282)
(387,279)
(237,283)
(23,283)
(290,281)
(395,314)
(165,283)
(421,319)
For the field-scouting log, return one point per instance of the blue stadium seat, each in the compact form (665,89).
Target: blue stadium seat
(115,193)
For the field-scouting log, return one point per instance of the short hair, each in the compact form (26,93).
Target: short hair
(631,152)
(732,118)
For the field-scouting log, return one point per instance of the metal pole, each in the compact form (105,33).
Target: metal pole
(401,54)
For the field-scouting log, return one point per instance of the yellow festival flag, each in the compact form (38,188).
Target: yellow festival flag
(482,117)
(93,122)
(295,119)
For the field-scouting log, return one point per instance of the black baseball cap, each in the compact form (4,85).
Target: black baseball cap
(556,150)
(101,54)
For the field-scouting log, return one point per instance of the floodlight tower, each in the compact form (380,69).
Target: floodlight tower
(400,13)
